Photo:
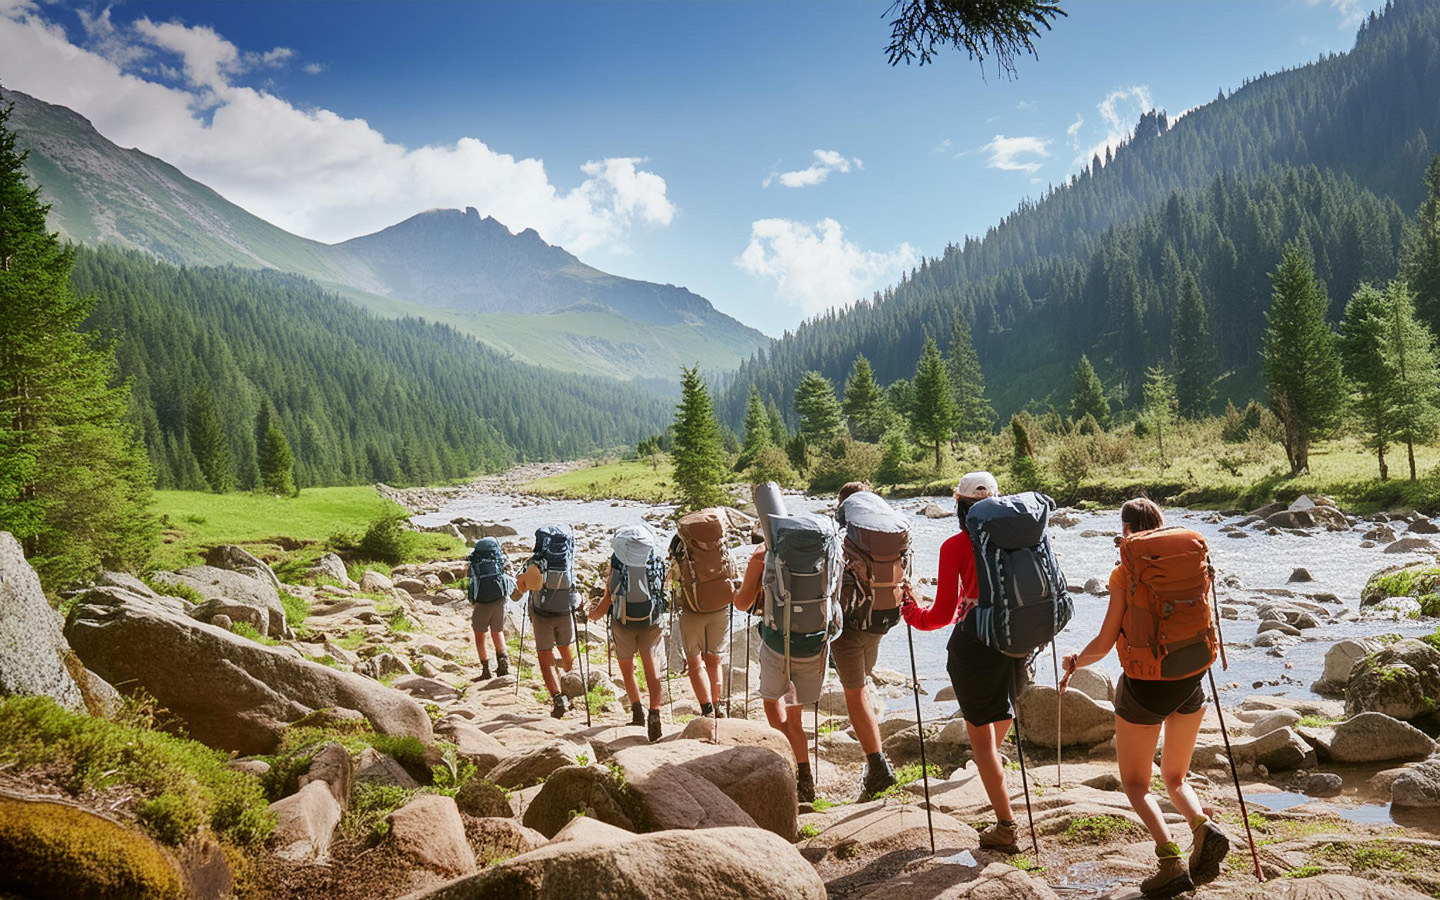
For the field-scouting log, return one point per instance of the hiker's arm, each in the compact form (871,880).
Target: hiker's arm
(947,593)
(1099,648)
(602,607)
(529,580)
(750,588)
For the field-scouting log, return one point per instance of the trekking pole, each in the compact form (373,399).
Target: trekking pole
(669,691)
(730,663)
(920,733)
(520,652)
(580,652)
(609,649)
(1059,707)
(748,629)
(1020,755)
(1220,713)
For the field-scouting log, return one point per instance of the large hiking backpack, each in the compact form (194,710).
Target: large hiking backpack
(1022,602)
(802,584)
(703,568)
(638,574)
(555,556)
(1168,630)
(877,562)
(489,580)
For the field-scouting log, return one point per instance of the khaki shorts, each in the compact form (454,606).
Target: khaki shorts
(630,641)
(704,632)
(551,631)
(807,677)
(855,653)
(488,617)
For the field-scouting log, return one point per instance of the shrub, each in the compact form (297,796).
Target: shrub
(1027,474)
(771,464)
(855,461)
(387,540)
(167,588)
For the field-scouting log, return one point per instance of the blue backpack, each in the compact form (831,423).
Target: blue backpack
(1022,601)
(555,556)
(489,580)
(638,577)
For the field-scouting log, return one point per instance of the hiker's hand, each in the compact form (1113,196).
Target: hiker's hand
(1071,663)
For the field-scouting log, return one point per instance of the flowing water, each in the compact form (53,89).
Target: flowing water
(1086,550)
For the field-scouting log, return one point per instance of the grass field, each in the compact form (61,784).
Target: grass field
(610,479)
(295,528)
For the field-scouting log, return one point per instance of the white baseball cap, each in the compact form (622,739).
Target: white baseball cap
(977,486)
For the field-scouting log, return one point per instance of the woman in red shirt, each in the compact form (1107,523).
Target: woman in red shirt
(982,677)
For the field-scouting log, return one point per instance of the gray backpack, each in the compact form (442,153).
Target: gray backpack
(638,577)
(555,555)
(802,584)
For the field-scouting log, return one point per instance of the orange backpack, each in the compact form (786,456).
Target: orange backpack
(1168,630)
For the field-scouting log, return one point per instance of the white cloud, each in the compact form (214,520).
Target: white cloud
(310,171)
(1119,112)
(1352,12)
(1025,105)
(814,267)
(313,68)
(826,161)
(941,147)
(1074,131)
(1016,154)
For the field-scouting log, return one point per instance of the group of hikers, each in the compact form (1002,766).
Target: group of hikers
(825,591)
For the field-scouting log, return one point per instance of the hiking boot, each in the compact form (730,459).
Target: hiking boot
(484,669)
(1208,850)
(804,784)
(878,777)
(562,706)
(653,726)
(502,665)
(707,710)
(1000,838)
(1171,878)
(637,715)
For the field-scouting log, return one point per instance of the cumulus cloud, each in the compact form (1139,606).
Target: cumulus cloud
(1119,112)
(176,92)
(1351,12)
(313,68)
(1016,154)
(826,161)
(814,267)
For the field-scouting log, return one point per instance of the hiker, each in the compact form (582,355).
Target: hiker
(490,583)
(549,579)
(704,576)
(798,566)
(635,599)
(1160,684)
(877,559)
(982,677)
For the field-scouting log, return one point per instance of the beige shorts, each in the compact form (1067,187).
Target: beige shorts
(855,653)
(551,631)
(488,617)
(631,641)
(807,677)
(704,632)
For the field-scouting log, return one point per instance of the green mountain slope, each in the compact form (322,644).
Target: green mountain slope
(443,265)
(1329,153)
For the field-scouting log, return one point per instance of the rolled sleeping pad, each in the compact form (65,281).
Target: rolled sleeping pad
(768,502)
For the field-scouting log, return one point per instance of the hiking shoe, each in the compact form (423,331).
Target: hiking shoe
(562,706)
(1209,849)
(637,715)
(1000,838)
(1171,878)
(653,729)
(805,785)
(484,669)
(878,779)
(707,710)
(502,665)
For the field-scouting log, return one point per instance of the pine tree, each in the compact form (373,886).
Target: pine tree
(1302,369)
(209,443)
(894,457)
(1088,398)
(699,460)
(1160,405)
(1422,254)
(934,414)
(865,405)
(779,431)
(75,484)
(276,461)
(757,431)
(977,416)
(1411,347)
(819,411)
(1193,351)
(1367,365)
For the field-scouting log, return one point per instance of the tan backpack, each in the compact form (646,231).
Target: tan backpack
(704,571)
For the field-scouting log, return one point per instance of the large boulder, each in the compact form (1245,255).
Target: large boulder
(713,864)
(1341,658)
(1093,683)
(535,764)
(1085,721)
(1401,681)
(230,692)
(590,791)
(473,744)
(1278,751)
(305,824)
(430,831)
(34,657)
(236,588)
(1375,737)
(238,559)
(1418,787)
(733,733)
(687,784)
(877,829)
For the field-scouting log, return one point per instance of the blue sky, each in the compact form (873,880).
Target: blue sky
(763,154)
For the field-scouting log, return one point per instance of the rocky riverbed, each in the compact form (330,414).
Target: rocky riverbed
(395,769)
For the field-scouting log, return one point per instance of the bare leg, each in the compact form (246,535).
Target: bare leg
(1175,754)
(786,720)
(712,668)
(627,672)
(1135,753)
(985,743)
(498,639)
(546,658)
(652,678)
(867,730)
(480,646)
(697,679)
(567,658)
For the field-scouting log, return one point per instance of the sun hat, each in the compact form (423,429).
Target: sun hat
(977,486)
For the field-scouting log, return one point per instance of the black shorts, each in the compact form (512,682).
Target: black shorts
(1141,702)
(983,679)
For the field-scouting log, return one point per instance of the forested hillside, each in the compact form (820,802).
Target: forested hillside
(1332,153)
(359,398)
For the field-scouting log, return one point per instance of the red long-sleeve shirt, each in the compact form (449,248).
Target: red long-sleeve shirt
(954,582)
